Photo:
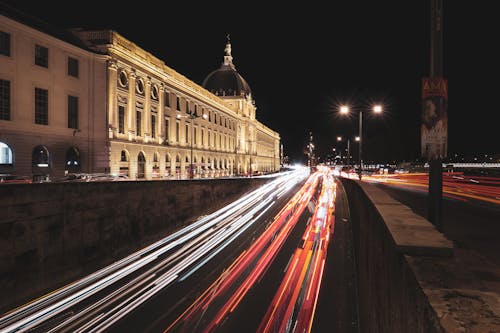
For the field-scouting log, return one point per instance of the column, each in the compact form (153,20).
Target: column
(131,105)
(161,115)
(112,107)
(147,110)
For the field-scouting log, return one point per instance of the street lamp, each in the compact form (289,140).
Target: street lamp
(344,109)
(192,116)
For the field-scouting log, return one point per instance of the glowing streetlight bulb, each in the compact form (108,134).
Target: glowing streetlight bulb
(344,109)
(377,108)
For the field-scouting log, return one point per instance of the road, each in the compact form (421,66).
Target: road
(226,272)
(471,207)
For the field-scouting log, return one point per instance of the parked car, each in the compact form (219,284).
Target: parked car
(92,177)
(9,178)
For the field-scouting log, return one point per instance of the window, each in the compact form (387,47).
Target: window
(167,99)
(141,166)
(178,101)
(4,44)
(138,123)
(4,100)
(73,160)
(40,157)
(187,107)
(72,67)
(72,112)
(121,119)
(202,136)
(153,126)
(41,56)
(154,92)
(187,133)
(123,79)
(5,154)
(41,106)
(167,129)
(139,86)
(195,134)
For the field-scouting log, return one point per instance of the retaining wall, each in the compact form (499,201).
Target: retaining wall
(53,233)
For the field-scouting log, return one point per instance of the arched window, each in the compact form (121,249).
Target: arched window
(40,163)
(141,166)
(156,166)
(6,158)
(73,163)
(40,157)
(124,163)
(5,154)
(124,156)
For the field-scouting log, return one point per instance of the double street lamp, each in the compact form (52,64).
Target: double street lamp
(192,116)
(344,109)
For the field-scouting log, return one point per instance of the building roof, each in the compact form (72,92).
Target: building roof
(226,81)
(40,25)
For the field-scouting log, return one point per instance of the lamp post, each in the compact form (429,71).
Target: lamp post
(339,139)
(348,161)
(344,109)
(192,116)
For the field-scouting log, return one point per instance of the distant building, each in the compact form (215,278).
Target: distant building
(93,101)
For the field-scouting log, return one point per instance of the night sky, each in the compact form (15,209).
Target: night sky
(303,60)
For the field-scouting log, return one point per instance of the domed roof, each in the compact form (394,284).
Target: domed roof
(226,81)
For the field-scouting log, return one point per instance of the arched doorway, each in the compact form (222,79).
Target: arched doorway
(141,166)
(72,162)
(40,164)
(167,166)
(177,166)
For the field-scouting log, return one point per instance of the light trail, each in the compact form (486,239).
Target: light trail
(296,300)
(293,306)
(259,256)
(163,262)
(455,185)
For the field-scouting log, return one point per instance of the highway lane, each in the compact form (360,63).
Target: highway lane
(307,277)
(102,300)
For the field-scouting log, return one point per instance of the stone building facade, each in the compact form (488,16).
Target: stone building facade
(93,101)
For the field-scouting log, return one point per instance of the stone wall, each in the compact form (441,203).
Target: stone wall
(53,233)
(386,236)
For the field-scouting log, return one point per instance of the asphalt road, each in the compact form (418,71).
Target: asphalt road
(473,225)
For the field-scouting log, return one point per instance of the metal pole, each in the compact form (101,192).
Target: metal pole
(360,143)
(435,195)
(348,152)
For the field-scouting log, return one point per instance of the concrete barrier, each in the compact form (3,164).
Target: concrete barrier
(410,277)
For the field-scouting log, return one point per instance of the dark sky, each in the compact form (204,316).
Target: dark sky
(303,60)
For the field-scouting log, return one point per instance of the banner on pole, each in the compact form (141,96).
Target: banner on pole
(434,128)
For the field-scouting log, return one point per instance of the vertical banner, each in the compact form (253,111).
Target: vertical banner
(434,128)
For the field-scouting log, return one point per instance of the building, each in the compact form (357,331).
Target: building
(93,101)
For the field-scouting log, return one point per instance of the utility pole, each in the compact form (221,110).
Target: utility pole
(438,88)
